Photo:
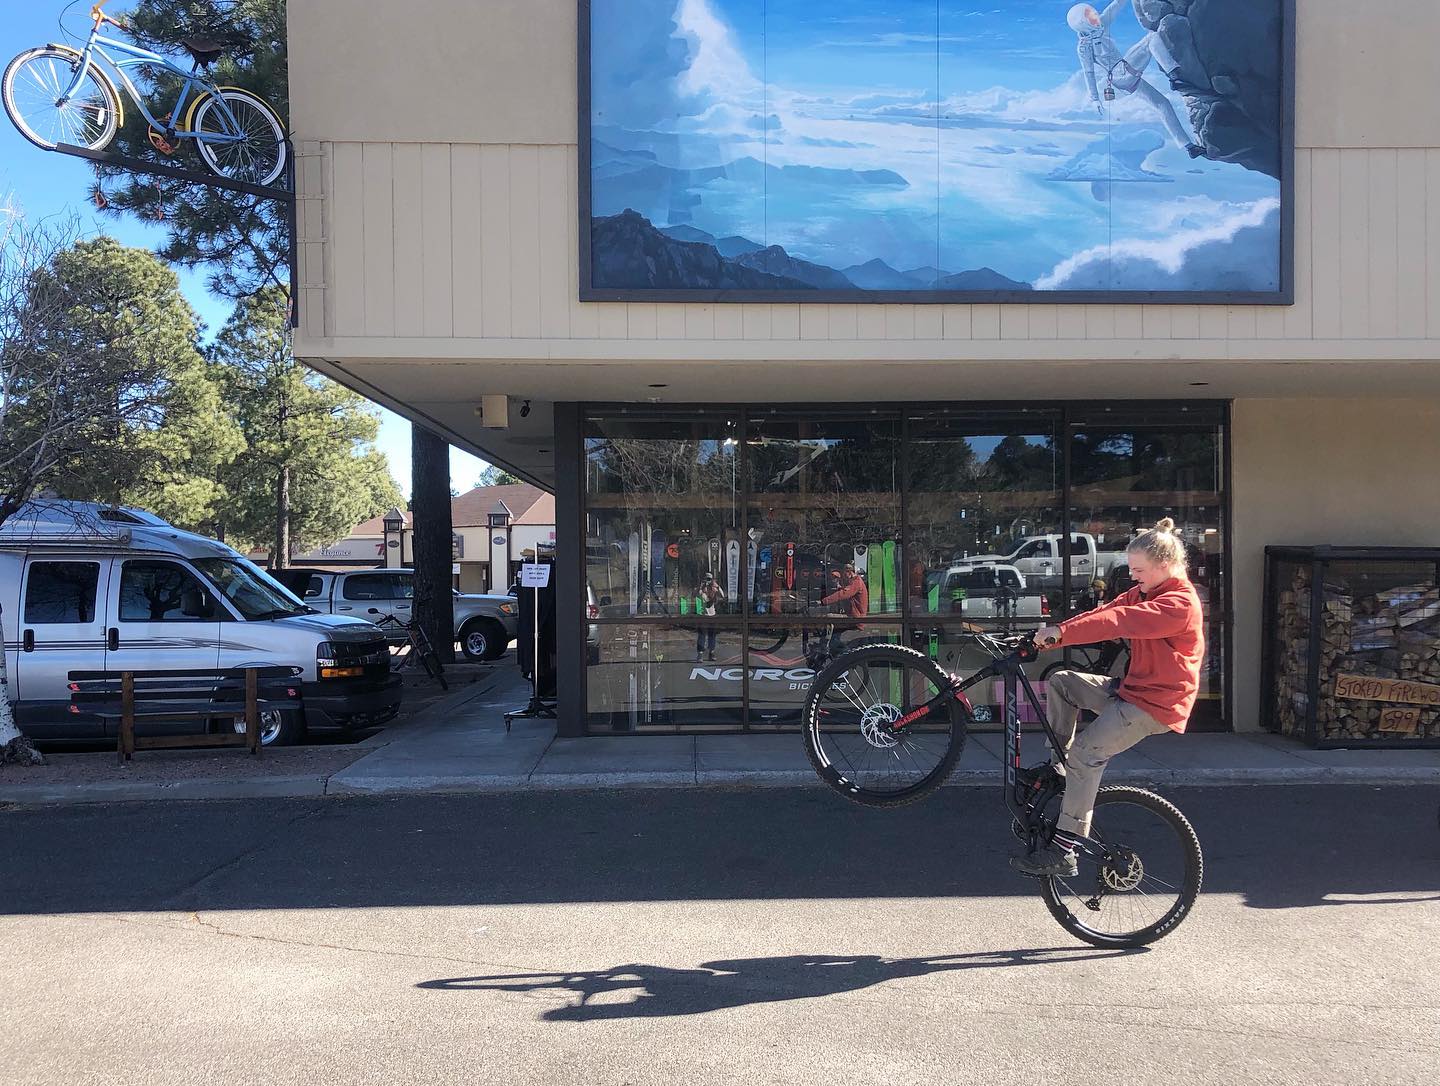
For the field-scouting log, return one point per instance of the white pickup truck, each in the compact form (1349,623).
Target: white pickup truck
(1038,558)
(484,624)
(991,590)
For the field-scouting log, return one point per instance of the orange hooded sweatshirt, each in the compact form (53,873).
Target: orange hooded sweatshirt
(1167,645)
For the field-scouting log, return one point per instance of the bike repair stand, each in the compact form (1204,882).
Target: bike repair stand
(535,576)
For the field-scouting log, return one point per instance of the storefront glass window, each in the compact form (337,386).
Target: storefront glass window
(984,518)
(1127,471)
(824,514)
(662,515)
(728,551)
(660,677)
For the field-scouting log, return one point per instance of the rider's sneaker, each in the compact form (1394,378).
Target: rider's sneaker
(1051,860)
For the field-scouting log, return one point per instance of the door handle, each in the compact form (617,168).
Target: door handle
(112,639)
(27,641)
(345,607)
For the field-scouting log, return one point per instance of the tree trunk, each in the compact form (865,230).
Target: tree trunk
(281,558)
(431,539)
(15,746)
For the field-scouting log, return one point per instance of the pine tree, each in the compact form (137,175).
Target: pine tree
(309,472)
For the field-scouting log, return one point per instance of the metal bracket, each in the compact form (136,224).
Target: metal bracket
(195,177)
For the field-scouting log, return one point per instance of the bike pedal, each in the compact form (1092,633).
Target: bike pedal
(160,143)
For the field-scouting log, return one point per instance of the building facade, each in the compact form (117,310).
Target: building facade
(442,249)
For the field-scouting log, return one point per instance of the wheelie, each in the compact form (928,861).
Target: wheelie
(885,725)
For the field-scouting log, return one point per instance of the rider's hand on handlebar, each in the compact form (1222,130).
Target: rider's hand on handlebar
(1046,636)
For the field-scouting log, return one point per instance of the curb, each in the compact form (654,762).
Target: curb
(318,787)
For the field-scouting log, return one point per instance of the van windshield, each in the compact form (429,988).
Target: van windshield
(255,595)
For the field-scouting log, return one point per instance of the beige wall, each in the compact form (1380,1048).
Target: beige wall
(1348,472)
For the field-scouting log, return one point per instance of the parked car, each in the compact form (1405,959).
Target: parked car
(85,587)
(1038,557)
(484,624)
(991,590)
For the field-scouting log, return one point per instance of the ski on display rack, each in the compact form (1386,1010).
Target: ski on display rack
(714,566)
(763,577)
(788,597)
(888,567)
(752,557)
(657,569)
(673,587)
(633,559)
(732,570)
(875,576)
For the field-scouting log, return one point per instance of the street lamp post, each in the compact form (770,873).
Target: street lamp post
(394,521)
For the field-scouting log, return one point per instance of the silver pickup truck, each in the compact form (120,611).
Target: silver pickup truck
(484,624)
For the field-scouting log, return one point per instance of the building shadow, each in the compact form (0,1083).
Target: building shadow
(657,991)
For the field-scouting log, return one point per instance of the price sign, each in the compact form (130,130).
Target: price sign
(534,575)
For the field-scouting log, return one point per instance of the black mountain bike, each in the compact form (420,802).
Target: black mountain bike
(885,725)
(418,646)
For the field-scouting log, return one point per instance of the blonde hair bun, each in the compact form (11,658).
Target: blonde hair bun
(1161,545)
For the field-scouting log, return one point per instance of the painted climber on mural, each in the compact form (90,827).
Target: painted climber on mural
(1110,74)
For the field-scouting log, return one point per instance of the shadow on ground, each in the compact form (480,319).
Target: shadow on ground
(1277,846)
(656,991)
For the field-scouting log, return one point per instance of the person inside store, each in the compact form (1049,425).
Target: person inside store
(707,599)
(1091,597)
(1161,617)
(853,594)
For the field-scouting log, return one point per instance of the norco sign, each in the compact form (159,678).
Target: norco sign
(757,674)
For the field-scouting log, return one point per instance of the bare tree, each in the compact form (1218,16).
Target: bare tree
(75,369)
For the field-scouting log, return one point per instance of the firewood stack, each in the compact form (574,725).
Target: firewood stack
(1390,634)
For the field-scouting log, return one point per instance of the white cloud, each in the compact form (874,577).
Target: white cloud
(1169,262)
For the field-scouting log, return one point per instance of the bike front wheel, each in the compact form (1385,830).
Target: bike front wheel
(1147,881)
(241,140)
(848,720)
(32,87)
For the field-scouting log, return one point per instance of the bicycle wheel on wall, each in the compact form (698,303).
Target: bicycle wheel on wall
(32,86)
(243,141)
(849,741)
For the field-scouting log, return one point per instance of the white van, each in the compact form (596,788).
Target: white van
(86,587)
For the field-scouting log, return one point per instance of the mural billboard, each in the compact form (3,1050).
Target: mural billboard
(934,150)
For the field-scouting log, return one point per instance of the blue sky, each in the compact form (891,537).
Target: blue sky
(45,184)
(981,113)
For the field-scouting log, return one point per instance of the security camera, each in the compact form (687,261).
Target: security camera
(525,409)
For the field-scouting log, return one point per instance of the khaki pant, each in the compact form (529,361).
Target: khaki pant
(1119,726)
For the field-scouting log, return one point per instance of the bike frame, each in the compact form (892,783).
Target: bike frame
(1009,668)
(134,57)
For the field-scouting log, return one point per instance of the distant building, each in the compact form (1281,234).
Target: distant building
(495,527)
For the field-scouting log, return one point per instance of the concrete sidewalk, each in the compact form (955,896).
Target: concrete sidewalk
(460,745)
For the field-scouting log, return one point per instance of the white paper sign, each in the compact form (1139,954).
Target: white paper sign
(534,575)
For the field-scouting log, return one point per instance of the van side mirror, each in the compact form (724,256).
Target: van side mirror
(194,603)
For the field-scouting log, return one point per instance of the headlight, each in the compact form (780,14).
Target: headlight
(327,664)
(325,654)
(507,608)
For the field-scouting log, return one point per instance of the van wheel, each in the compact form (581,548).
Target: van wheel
(483,639)
(278,727)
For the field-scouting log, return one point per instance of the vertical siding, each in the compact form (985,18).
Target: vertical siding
(440,240)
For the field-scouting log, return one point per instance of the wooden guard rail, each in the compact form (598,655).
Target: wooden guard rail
(184,694)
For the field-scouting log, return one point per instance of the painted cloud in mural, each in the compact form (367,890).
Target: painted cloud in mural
(912,145)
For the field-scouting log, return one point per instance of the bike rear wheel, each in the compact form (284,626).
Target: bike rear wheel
(846,720)
(420,645)
(1146,885)
(252,149)
(32,85)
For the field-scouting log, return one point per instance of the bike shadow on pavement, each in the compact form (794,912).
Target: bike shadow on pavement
(659,991)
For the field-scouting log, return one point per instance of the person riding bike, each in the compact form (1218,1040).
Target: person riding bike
(1161,617)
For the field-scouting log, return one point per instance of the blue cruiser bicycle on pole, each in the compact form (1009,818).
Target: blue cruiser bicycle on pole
(56,94)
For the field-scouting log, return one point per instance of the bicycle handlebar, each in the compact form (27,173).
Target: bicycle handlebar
(100,17)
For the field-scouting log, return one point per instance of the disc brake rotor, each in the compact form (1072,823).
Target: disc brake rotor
(1122,871)
(875,726)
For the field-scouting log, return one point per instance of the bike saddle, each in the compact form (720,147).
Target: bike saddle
(204,51)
